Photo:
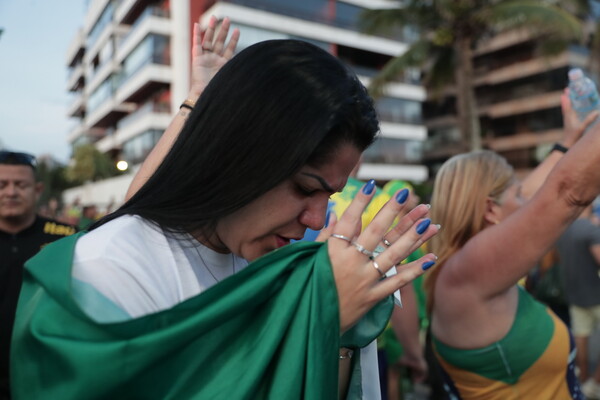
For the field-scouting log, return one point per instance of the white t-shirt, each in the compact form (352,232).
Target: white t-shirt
(141,269)
(129,267)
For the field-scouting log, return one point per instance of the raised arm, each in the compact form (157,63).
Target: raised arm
(209,54)
(497,257)
(573,129)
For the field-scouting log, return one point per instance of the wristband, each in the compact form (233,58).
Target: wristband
(187,103)
(559,147)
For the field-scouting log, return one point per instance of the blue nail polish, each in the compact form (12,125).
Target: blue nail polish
(427,265)
(368,188)
(423,225)
(327,215)
(402,196)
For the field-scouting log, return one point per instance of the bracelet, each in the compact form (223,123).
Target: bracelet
(187,103)
(347,355)
(559,147)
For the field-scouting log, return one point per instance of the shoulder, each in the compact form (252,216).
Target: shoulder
(119,237)
(130,261)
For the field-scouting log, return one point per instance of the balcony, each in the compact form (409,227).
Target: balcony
(522,105)
(77,107)
(524,140)
(76,132)
(94,12)
(529,67)
(403,131)
(503,40)
(152,21)
(145,81)
(106,70)
(385,172)
(266,19)
(108,113)
(76,49)
(76,79)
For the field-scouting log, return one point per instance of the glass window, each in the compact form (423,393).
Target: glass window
(102,92)
(153,49)
(136,149)
(394,151)
(403,111)
(104,20)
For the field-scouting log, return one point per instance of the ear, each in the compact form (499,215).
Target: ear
(39,188)
(492,212)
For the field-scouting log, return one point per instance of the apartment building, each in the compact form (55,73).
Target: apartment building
(518,95)
(129,69)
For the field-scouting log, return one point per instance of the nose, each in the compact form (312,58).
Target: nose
(313,215)
(10,189)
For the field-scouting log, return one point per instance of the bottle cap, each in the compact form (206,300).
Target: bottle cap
(575,73)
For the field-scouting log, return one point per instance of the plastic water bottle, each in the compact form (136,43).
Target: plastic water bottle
(583,94)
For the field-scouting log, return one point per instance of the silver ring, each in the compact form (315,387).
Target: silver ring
(376,266)
(386,242)
(363,250)
(346,238)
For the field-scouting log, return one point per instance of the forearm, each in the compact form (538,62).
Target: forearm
(159,152)
(405,323)
(536,178)
(345,369)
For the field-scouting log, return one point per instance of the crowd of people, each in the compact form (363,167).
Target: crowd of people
(239,268)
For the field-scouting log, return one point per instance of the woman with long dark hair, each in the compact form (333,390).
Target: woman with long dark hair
(157,299)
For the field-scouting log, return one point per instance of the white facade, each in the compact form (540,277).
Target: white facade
(129,71)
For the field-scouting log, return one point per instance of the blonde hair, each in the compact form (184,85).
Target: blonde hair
(462,185)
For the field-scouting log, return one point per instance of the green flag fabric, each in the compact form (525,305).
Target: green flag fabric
(270,331)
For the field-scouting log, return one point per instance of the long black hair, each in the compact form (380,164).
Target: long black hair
(273,108)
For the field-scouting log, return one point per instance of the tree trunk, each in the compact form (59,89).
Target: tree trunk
(468,118)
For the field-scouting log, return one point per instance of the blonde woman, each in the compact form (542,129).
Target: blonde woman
(492,339)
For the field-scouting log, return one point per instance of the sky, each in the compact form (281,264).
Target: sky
(33,74)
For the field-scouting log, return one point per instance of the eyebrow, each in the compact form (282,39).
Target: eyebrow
(322,181)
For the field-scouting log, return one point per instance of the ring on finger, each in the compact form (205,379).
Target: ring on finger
(363,250)
(386,242)
(346,238)
(376,266)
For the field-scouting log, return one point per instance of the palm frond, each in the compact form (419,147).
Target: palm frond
(441,71)
(538,16)
(416,56)
(413,12)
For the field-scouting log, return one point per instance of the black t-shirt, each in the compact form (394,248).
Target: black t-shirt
(15,249)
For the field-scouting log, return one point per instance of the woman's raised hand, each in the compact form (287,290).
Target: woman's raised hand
(211,52)
(573,127)
(358,272)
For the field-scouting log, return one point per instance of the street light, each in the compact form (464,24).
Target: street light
(122,165)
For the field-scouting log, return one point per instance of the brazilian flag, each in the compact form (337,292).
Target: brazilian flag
(270,331)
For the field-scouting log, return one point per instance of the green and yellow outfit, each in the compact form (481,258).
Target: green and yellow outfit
(535,360)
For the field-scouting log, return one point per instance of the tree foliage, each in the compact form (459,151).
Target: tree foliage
(451,29)
(89,164)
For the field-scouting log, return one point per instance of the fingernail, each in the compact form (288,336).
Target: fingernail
(402,196)
(369,186)
(427,265)
(428,206)
(438,226)
(423,225)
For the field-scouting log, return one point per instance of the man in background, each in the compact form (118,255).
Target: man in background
(579,261)
(22,234)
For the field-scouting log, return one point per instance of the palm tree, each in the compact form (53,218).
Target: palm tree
(451,30)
